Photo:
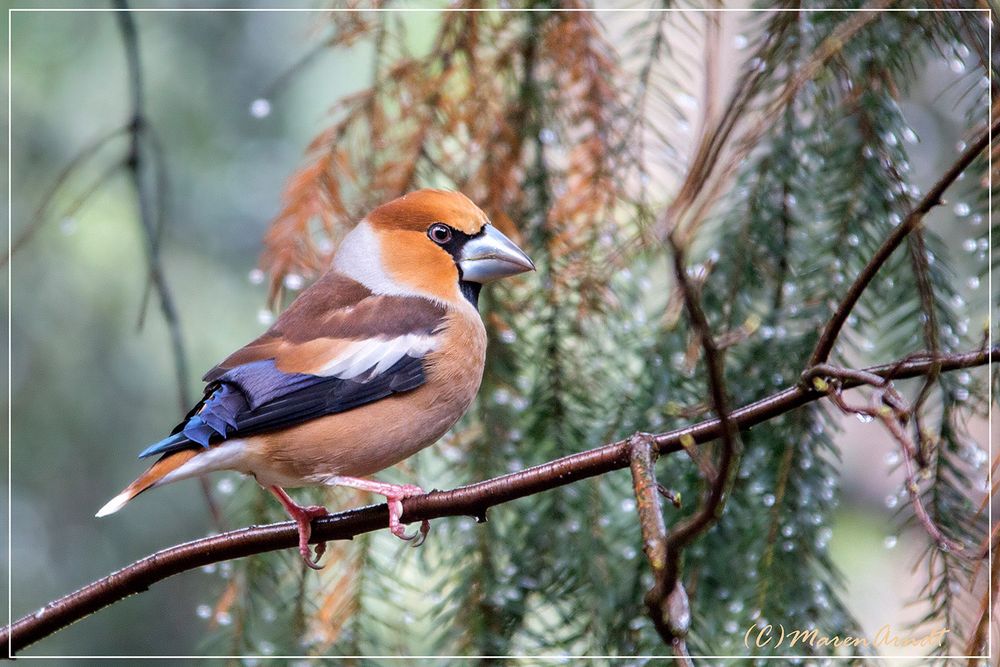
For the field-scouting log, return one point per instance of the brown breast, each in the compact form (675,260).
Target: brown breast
(380,434)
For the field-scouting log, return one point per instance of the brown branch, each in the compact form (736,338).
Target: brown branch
(472,500)
(933,198)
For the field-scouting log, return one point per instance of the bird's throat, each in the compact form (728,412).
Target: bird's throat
(470,291)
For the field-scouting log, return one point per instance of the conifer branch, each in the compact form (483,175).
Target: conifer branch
(472,500)
(831,331)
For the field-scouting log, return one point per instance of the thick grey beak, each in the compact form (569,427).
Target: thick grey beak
(491,256)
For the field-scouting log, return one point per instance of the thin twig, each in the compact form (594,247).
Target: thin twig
(888,406)
(40,216)
(472,500)
(831,331)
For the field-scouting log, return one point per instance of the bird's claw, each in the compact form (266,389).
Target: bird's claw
(415,539)
(307,555)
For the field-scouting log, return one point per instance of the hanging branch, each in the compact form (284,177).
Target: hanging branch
(135,162)
(472,500)
(151,219)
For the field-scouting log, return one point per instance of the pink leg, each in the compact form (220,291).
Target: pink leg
(394,494)
(303,517)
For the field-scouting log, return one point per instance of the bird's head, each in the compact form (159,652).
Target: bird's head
(432,243)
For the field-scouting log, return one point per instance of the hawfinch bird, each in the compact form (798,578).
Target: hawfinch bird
(373,362)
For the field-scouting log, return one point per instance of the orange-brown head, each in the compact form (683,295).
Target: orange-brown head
(432,243)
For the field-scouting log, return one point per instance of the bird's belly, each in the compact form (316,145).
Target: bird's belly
(356,443)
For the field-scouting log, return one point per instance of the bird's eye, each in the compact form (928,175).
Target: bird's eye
(439,233)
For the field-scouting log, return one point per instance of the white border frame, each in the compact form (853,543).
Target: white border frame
(10,430)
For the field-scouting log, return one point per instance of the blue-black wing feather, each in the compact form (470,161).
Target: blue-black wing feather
(257,398)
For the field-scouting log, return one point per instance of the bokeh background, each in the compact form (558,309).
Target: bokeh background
(90,387)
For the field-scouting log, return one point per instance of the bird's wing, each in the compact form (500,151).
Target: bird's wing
(337,347)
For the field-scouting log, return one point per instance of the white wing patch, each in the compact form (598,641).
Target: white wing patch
(375,356)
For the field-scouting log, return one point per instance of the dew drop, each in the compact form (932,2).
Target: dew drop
(910,136)
(962,209)
(889,542)
(293,281)
(224,618)
(324,246)
(508,336)
(768,499)
(864,418)
(260,108)
(969,245)
(203,611)
(957,66)
(547,136)
(225,486)
(741,41)
(256,276)
(892,458)
(853,240)
(628,505)
(265,316)
(68,226)
(891,501)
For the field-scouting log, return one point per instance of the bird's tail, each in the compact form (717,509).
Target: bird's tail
(148,480)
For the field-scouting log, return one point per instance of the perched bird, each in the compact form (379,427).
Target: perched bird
(373,362)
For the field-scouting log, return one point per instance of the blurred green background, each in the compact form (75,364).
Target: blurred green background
(90,390)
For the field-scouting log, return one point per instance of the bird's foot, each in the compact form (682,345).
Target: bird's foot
(303,516)
(394,495)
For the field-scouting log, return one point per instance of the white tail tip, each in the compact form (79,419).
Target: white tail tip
(113,505)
